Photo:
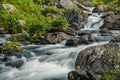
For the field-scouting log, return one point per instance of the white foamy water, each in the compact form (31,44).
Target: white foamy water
(44,66)
(94,21)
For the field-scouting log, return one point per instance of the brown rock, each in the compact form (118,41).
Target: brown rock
(52,38)
(112,22)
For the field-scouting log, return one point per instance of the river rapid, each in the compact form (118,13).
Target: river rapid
(51,61)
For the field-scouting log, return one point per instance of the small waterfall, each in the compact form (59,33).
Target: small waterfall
(94,21)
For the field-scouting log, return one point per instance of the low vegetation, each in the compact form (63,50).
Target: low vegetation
(35,14)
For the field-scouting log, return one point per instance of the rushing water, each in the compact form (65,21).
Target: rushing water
(50,62)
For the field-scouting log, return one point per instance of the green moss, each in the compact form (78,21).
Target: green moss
(115,75)
(44,1)
(50,9)
(17,37)
(9,48)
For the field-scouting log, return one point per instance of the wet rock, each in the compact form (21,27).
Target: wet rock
(9,8)
(111,22)
(15,64)
(1,46)
(85,39)
(69,31)
(87,32)
(105,32)
(25,54)
(116,39)
(103,8)
(76,17)
(20,22)
(2,56)
(52,38)
(75,76)
(99,60)
(67,4)
(72,42)
(75,26)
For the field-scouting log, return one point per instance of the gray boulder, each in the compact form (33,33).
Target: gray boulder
(15,64)
(96,62)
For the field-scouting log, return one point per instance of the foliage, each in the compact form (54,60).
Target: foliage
(50,9)
(58,24)
(112,76)
(34,14)
(43,1)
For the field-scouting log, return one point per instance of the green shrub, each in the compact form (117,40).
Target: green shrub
(50,9)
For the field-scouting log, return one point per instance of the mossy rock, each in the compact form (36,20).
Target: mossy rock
(18,37)
(10,48)
(4,28)
(100,62)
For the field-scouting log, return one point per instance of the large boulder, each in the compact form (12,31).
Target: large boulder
(76,18)
(103,8)
(99,62)
(112,22)
(9,8)
(52,38)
